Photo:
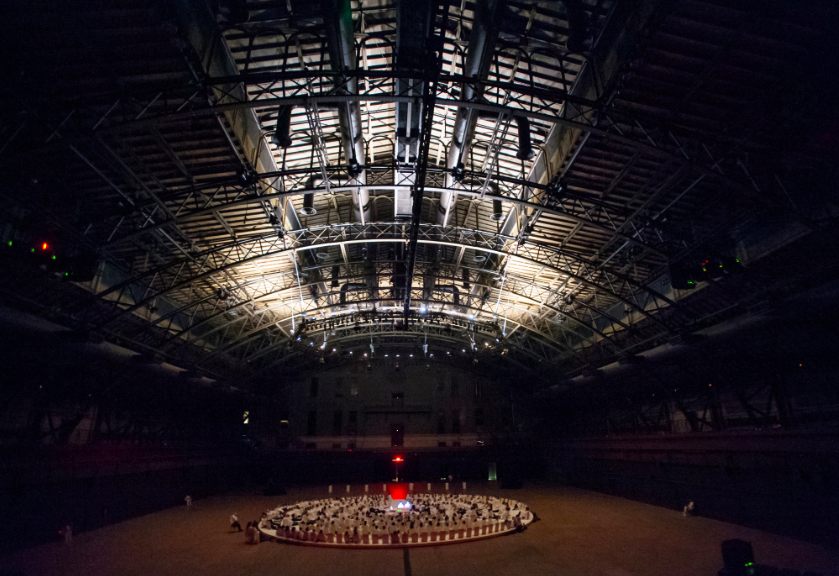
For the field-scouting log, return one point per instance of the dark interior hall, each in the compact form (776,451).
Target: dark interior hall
(579,254)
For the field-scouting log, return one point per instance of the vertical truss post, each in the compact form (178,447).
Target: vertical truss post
(313,116)
(499,133)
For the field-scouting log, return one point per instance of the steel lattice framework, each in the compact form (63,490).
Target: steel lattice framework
(503,174)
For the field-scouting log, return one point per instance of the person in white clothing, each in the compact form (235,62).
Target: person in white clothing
(234,522)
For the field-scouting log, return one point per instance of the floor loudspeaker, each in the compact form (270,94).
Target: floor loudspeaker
(738,558)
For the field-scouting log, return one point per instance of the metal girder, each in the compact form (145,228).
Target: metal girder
(167,278)
(429,99)
(633,138)
(251,250)
(568,207)
(395,337)
(260,322)
(201,32)
(256,335)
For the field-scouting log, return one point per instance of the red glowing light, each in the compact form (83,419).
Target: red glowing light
(44,246)
(398,459)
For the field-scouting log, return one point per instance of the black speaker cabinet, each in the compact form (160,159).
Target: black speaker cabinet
(738,558)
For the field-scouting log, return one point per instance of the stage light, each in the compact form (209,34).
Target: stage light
(309,204)
(354,168)
(497,211)
(525,149)
(458,172)
(282,136)
(234,11)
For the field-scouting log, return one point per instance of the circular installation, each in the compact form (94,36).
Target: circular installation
(386,521)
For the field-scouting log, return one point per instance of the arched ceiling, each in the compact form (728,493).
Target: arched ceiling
(151,134)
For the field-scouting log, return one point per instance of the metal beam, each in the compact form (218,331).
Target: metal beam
(432,84)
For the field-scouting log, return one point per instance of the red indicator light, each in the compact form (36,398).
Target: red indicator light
(44,246)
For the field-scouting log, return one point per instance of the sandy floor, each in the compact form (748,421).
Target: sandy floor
(580,533)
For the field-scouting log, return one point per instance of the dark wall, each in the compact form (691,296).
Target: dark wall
(91,435)
(315,467)
(783,482)
(92,486)
(344,467)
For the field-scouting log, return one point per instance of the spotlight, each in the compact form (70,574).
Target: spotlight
(234,11)
(458,172)
(578,35)
(309,204)
(525,149)
(354,168)
(497,211)
(282,135)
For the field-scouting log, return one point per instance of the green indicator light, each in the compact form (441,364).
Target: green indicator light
(53,256)
(33,249)
(10,242)
(66,273)
(737,260)
(750,563)
(704,270)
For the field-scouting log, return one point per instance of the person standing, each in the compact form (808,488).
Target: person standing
(234,522)
(188,501)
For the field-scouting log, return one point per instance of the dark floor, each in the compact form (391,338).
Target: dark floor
(579,533)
